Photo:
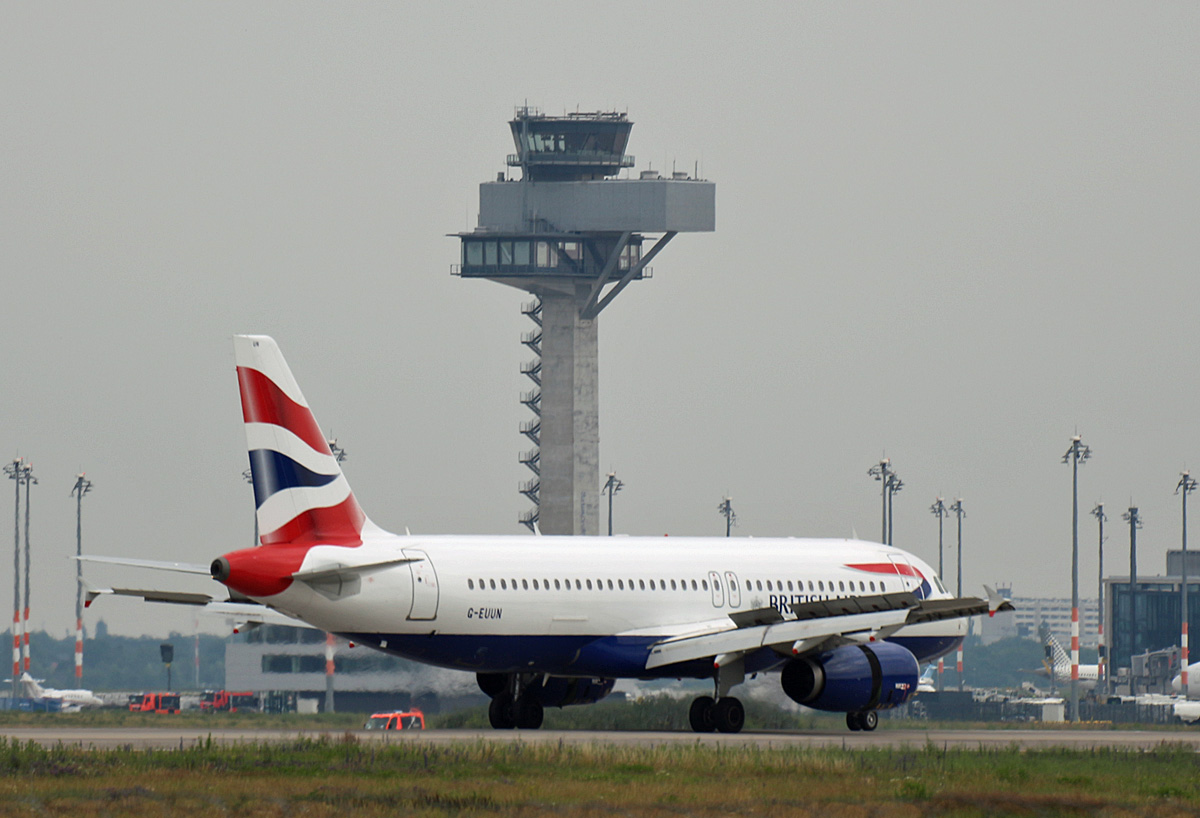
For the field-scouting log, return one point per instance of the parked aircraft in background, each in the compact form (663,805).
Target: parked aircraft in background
(1057,664)
(72,700)
(554,621)
(1193,691)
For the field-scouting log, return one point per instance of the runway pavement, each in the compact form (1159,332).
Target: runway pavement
(177,738)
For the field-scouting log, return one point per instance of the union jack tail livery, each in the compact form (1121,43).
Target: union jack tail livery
(300,492)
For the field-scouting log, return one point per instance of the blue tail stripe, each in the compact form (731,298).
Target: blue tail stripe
(275,472)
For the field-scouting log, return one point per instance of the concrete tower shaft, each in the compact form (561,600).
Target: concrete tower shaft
(573,236)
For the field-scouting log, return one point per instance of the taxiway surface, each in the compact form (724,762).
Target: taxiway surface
(179,738)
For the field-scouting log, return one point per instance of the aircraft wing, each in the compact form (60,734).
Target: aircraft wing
(817,625)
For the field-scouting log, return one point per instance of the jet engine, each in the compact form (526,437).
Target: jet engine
(853,678)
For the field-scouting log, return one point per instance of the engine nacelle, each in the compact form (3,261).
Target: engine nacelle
(852,678)
(560,692)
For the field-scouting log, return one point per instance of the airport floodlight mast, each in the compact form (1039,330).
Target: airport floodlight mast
(611,487)
(1076,454)
(959,512)
(1187,484)
(1101,668)
(1135,522)
(29,480)
(882,472)
(893,486)
(564,231)
(14,471)
(939,510)
(81,488)
(726,510)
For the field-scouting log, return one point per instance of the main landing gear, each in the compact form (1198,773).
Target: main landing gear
(867,720)
(725,714)
(515,702)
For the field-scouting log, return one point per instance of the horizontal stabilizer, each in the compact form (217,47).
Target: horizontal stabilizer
(174,597)
(343,573)
(158,565)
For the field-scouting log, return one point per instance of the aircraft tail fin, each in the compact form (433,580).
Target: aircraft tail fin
(300,493)
(30,686)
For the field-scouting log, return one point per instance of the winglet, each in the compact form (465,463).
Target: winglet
(996,602)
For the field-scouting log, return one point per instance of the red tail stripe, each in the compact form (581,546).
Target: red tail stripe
(336,525)
(264,402)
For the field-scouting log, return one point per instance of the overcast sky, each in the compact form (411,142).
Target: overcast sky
(949,233)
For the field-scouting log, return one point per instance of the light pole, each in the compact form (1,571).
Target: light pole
(1135,522)
(1076,454)
(726,510)
(959,513)
(881,471)
(29,480)
(939,510)
(1186,485)
(611,487)
(82,487)
(13,470)
(1102,675)
(893,485)
(339,455)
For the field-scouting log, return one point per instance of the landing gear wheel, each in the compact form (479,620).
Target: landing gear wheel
(701,714)
(502,711)
(529,713)
(854,721)
(869,720)
(729,715)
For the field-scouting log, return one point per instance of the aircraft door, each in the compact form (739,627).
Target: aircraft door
(424,586)
(906,572)
(718,594)
(735,593)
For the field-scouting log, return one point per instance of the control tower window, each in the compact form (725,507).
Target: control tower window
(630,255)
(572,250)
(547,254)
(521,253)
(472,253)
(489,253)
(506,253)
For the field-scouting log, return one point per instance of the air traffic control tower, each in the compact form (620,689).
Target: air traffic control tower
(572,234)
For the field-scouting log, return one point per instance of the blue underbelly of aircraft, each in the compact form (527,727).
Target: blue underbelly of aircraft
(611,656)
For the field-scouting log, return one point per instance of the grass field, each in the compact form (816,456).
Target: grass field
(341,777)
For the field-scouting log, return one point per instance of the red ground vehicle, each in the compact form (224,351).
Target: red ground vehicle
(154,703)
(397,720)
(228,702)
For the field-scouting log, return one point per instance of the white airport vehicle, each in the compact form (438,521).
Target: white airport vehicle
(547,621)
(72,700)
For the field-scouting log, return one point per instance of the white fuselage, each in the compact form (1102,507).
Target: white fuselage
(578,605)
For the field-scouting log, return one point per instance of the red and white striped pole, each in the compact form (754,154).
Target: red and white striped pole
(1183,661)
(941,668)
(1075,645)
(79,648)
(329,648)
(959,662)
(16,647)
(1100,649)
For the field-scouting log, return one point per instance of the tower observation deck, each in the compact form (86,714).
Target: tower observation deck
(574,236)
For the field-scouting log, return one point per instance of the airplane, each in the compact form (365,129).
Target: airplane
(1193,691)
(927,683)
(72,700)
(550,621)
(1059,669)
